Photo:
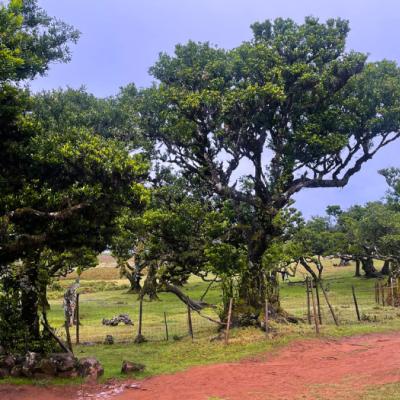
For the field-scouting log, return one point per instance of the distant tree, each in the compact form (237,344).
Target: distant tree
(392,176)
(318,238)
(291,104)
(371,232)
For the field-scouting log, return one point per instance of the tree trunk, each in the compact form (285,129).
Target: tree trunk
(343,262)
(308,268)
(150,284)
(386,268)
(134,281)
(358,273)
(193,304)
(369,269)
(30,299)
(253,285)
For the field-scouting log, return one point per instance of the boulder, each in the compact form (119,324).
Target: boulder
(121,318)
(41,376)
(4,372)
(16,371)
(7,362)
(47,366)
(68,374)
(30,364)
(109,339)
(32,359)
(129,367)
(89,367)
(64,361)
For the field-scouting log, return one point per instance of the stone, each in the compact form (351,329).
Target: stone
(64,361)
(7,361)
(90,367)
(2,351)
(30,364)
(19,360)
(32,359)
(47,366)
(4,372)
(109,339)
(121,318)
(26,371)
(68,374)
(16,371)
(129,367)
(41,376)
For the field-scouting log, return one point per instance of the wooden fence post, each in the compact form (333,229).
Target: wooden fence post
(329,305)
(266,317)
(308,300)
(315,312)
(166,326)
(382,293)
(397,287)
(68,336)
(392,291)
(356,303)
(376,293)
(77,318)
(190,326)
(318,302)
(228,325)
(140,338)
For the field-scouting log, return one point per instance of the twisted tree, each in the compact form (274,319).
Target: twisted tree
(288,110)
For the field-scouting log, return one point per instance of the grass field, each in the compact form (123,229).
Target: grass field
(107,296)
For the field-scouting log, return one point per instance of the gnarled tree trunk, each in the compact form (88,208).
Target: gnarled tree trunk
(134,281)
(30,298)
(358,266)
(150,284)
(368,268)
(193,304)
(386,268)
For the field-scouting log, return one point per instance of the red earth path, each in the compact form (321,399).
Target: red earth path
(308,369)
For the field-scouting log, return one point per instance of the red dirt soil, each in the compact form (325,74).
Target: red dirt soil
(308,369)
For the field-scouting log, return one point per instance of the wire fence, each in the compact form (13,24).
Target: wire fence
(349,305)
(161,322)
(158,322)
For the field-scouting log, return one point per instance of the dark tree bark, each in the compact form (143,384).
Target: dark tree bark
(358,266)
(30,299)
(343,262)
(369,269)
(193,304)
(254,286)
(134,281)
(150,284)
(308,268)
(386,268)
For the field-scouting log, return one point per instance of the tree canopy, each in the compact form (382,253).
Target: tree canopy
(291,104)
(62,186)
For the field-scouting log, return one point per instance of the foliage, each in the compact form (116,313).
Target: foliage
(292,96)
(61,189)
(112,117)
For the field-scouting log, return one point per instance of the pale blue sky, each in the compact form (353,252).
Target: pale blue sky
(121,39)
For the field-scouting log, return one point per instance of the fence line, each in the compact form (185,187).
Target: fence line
(163,321)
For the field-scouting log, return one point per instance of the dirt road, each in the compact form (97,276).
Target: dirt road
(309,369)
